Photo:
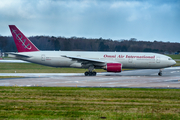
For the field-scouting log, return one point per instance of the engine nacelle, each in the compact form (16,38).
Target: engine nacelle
(114,67)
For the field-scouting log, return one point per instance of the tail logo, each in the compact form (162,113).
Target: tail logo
(19,37)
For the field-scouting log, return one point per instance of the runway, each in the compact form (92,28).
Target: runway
(132,79)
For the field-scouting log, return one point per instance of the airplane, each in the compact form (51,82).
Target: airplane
(110,61)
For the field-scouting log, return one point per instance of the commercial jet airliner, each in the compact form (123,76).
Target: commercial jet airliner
(110,61)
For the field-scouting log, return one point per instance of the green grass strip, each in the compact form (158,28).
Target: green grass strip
(88,103)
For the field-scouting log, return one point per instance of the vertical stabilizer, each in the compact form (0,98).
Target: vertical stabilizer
(23,44)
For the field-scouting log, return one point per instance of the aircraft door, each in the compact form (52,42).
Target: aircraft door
(43,57)
(158,60)
(130,60)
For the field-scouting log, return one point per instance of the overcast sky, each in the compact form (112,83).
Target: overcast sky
(146,20)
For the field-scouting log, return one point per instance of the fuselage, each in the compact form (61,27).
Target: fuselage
(127,59)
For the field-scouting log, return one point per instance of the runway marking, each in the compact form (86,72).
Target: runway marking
(105,79)
(174,71)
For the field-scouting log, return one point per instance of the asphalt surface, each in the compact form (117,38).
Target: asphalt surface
(147,78)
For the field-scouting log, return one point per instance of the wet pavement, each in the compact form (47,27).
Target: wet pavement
(132,79)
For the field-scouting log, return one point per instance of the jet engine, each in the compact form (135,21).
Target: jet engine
(114,67)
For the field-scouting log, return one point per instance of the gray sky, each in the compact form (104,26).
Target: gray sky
(146,20)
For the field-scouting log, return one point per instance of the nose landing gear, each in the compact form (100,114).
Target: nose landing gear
(90,72)
(160,72)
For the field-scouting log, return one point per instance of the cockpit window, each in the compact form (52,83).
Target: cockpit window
(169,58)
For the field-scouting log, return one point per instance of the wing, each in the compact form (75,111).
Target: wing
(87,60)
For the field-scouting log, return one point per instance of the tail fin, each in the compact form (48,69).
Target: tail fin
(23,44)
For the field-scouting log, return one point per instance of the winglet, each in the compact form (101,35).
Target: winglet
(23,44)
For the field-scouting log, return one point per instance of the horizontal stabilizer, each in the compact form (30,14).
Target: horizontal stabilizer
(13,61)
(19,55)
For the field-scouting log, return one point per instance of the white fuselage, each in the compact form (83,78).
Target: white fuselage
(127,59)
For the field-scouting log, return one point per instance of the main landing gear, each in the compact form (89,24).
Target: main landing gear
(160,72)
(90,72)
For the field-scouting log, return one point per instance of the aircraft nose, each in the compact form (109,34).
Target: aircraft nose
(173,62)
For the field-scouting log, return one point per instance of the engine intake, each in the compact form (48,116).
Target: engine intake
(114,67)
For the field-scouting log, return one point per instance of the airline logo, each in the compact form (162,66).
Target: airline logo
(113,56)
(129,56)
(19,37)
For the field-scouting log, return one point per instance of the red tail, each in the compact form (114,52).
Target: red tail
(23,44)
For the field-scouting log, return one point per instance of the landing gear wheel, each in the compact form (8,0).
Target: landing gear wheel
(86,73)
(160,73)
(89,73)
(94,73)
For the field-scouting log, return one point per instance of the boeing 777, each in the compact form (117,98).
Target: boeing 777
(110,61)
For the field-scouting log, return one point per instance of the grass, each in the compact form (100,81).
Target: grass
(68,103)
(177,63)
(174,56)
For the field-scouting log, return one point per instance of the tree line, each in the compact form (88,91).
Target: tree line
(92,44)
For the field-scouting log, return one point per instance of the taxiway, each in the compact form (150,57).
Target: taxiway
(134,78)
